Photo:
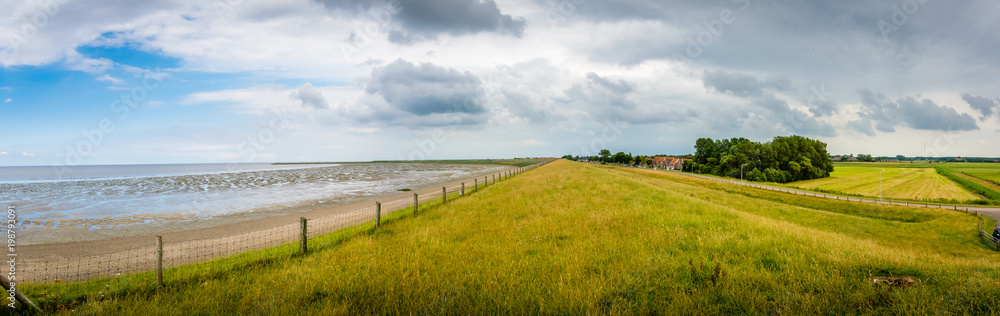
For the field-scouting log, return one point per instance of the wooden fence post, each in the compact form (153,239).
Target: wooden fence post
(475,184)
(415,203)
(302,230)
(378,214)
(486,181)
(444,195)
(18,295)
(462,191)
(159,262)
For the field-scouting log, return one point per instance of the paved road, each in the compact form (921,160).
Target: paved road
(992,212)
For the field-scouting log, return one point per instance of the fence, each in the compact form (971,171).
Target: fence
(165,254)
(987,237)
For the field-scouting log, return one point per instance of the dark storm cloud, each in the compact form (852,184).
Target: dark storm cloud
(908,111)
(814,42)
(426,89)
(419,20)
(984,105)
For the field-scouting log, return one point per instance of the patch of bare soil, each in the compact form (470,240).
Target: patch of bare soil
(903,281)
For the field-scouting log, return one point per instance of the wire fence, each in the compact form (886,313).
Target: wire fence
(179,253)
(987,237)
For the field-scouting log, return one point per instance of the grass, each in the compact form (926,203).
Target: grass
(511,162)
(570,238)
(898,181)
(970,183)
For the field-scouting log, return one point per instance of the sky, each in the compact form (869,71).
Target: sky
(136,82)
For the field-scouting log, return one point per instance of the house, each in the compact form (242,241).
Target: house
(669,163)
(852,159)
(836,158)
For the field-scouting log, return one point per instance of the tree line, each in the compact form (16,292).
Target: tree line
(783,159)
(605,156)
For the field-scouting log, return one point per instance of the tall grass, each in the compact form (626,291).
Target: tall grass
(969,184)
(571,238)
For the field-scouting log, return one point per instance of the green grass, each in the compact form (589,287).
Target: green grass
(511,162)
(970,184)
(571,238)
(898,181)
(985,171)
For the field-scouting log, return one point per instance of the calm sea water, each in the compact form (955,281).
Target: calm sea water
(107,197)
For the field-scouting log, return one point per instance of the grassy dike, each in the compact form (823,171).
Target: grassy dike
(573,238)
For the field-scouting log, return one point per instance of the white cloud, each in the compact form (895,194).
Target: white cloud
(9,100)
(109,78)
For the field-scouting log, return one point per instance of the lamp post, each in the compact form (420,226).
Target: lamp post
(741,172)
(880,186)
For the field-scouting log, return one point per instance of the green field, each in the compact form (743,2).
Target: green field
(573,239)
(898,181)
(986,171)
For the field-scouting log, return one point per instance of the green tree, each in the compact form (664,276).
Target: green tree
(605,154)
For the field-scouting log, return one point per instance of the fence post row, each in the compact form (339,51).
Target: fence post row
(159,262)
(302,230)
(378,214)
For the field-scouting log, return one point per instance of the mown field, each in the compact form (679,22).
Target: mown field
(986,171)
(897,182)
(574,238)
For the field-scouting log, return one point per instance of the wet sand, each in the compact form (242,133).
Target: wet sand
(119,240)
(80,260)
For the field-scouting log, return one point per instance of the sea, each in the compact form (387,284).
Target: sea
(48,201)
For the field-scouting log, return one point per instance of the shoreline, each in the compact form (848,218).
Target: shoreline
(221,227)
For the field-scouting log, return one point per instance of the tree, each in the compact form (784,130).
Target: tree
(783,159)
(604,153)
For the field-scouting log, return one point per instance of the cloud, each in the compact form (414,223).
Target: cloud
(75,61)
(109,78)
(603,96)
(984,105)
(9,100)
(421,20)
(426,88)
(908,111)
(761,96)
(741,85)
(310,97)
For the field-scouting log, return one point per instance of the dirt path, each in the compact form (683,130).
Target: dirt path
(83,260)
(988,184)
(992,212)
